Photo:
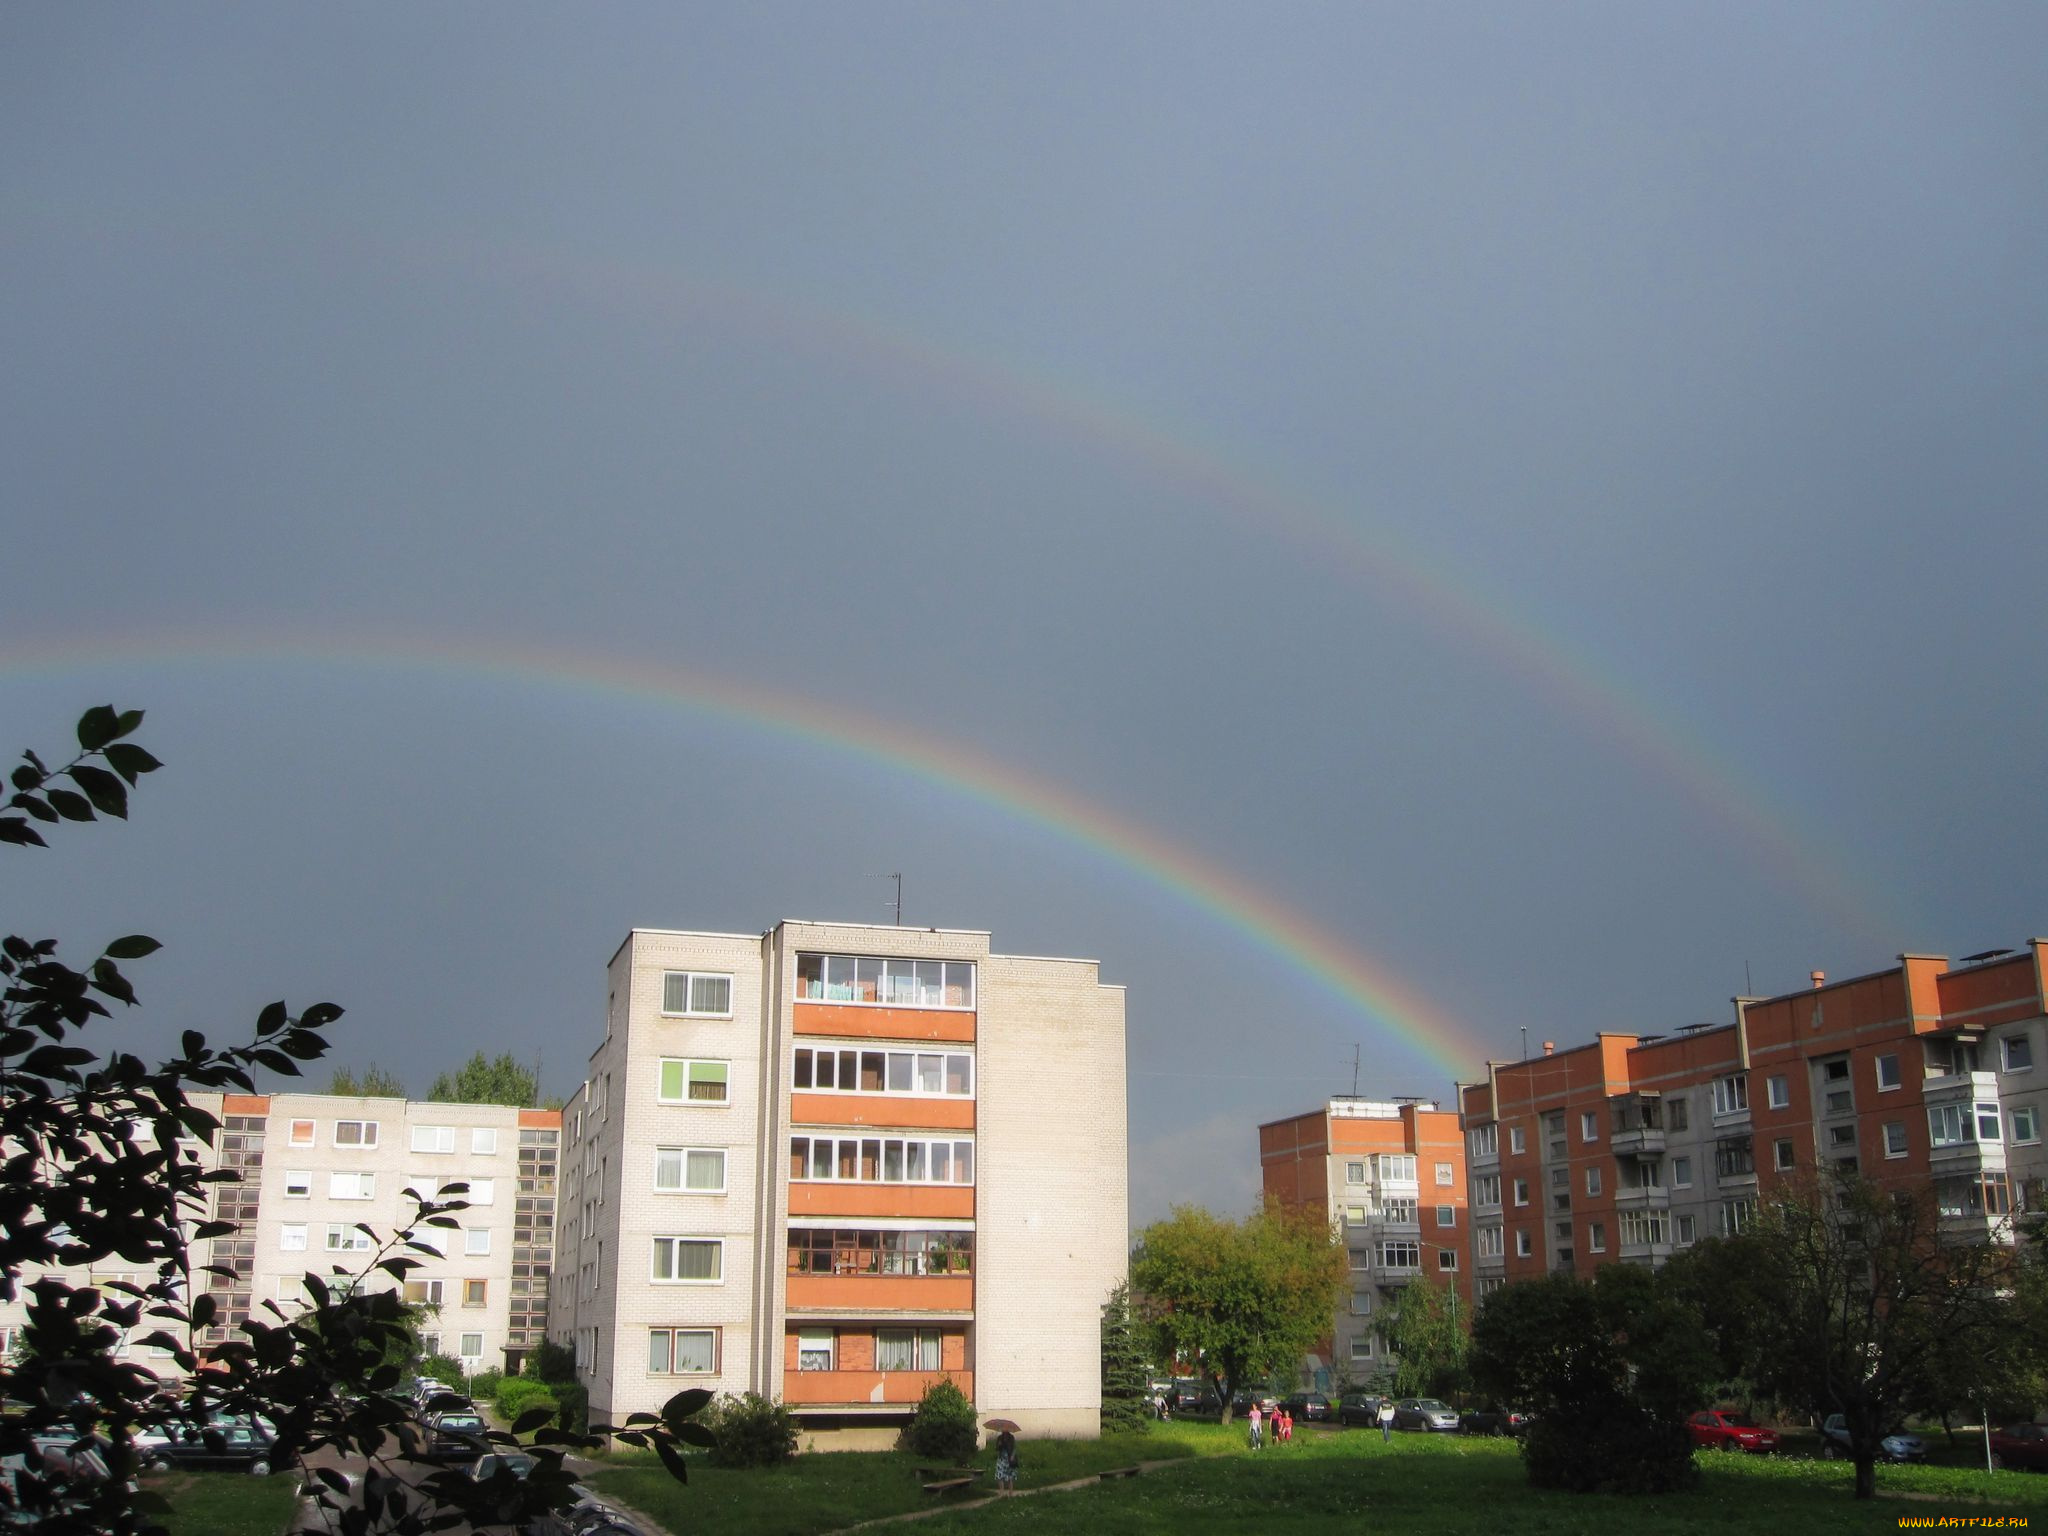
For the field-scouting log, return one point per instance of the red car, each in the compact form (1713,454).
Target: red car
(1724,1429)
(2021,1445)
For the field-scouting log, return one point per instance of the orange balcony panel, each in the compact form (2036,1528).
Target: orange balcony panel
(881,1200)
(875,1109)
(882,1293)
(819,1388)
(854,1021)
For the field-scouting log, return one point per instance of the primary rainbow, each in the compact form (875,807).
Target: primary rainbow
(1310,947)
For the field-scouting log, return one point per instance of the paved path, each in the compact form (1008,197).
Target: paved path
(1093,1480)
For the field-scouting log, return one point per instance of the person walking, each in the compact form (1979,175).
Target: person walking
(1006,1463)
(1386,1420)
(1256,1420)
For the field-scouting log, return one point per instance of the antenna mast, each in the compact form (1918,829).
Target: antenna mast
(1354,1069)
(899,899)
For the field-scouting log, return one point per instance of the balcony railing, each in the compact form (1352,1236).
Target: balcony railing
(866,1389)
(1642,1197)
(1639,1139)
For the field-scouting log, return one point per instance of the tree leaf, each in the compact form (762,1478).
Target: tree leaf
(134,947)
(103,789)
(98,726)
(66,804)
(130,761)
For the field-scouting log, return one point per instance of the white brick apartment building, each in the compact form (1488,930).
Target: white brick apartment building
(834,1163)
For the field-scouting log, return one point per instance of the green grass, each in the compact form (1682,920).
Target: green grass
(225,1503)
(1437,1485)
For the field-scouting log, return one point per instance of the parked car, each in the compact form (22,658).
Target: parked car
(1424,1413)
(1493,1421)
(1727,1429)
(234,1444)
(1241,1401)
(77,1459)
(1896,1446)
(1308,1407)
(1360,1408)
(2022,1446)
(1195,1401)
(457,1436)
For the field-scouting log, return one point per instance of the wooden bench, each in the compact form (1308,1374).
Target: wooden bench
(1110,1472)
(948,1479)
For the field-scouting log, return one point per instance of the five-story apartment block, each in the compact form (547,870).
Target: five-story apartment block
(834,1164)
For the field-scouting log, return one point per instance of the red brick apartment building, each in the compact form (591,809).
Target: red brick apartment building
(1393,1175)
(1631,1147)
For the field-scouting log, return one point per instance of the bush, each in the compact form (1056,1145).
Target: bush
(516,1394)
(751,1431)
(551,1362)
(943,1427)
(445,1369)
(484,1384)
(574,1398)
(1616,1447)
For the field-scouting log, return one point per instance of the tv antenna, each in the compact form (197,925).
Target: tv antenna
(899,898)
(1354,1070)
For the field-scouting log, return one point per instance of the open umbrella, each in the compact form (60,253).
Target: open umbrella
(1001,1425)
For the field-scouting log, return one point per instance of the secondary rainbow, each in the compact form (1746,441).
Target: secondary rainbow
(1338,965)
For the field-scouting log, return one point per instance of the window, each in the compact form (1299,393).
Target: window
(893,983)
(1402,1209)
(1447,1215)
(1734,1159)
(345,1239)
(2019,1053)
(887,1160)
(1888,1073)
(889,1251)
(298,1183)
(433,1138)
(1688,1230)
(1361,1348)
(1841,1138)
(1486,1191)
(1354,1173)
(1361,1258)
(472,1347)
(351,1186)
(1781,1154)
(1950,1125)
(1736,1216)
(1446,1175)
(483,1140)
(1589,1126)
(693,1082)
(1731,1094)
(302,1133)
(689,1260)
(355,1133)
(480,1191)
(1354,1214)
(697,1170)
(1676,1115)
(816,1348)
(2026,1126)
(1592,1181)
(1400,1255)
(682,1351)
(1561,1179)
(696,994)
(475,1293)
(846,1069)
(1681,1173)
(1487,1242)
(476,1241)
(1518,1140)
(1779,1092)
(1446,1258)
(906,1349)
(1523,1249)
(423,1293)
(1485,1140)
(1988,1195)
(1361,1303)
(1895,1139)
(1841,1101)
(291,1237)
(1396,1167)
(1643,1228)
(1596,1238)
(1521,1191)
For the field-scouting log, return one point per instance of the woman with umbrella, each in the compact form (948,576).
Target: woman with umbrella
(1006,1454)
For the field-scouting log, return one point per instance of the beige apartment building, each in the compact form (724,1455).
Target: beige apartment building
(835,1163)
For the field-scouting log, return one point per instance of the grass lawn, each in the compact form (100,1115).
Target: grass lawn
(225,1503)
(1436,1485)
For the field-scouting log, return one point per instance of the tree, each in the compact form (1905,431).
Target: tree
(1429,1336)
(375,1083)
(1864,1306)
(478,1081)
(1125,1381)
(100,1164)
(1609,1367)
(1238,1301)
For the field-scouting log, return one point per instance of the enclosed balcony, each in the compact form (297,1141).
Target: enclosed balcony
(1638,1125)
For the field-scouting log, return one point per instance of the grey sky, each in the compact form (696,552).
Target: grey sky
(1086,386)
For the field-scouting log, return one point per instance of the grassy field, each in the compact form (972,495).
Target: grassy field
(1420,1486)
(225,1503)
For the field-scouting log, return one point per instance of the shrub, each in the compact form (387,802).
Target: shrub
(445,1369)
(574,1398)
(516,1394)
(484,1384)
(551,1362)
(750,1430)
(1614,1447)
(943,1427)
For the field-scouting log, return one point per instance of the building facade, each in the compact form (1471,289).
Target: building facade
(835,1163)
(315,1169)
(1923,1076)
(1391,1177)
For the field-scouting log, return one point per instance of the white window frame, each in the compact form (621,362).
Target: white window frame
(298,1184)
(1488,1242)
(959,1154)
(685,1064)
(1521,1192)
(367,1132)
(1486,1191)
(483,1141)
(1486,1140)
(480,1191)
(1593,1182)
(673,1334)
(1525,1247)
(342,1237)
(890,1056)
(882,983)
(1778,1091)
(310,1139)
(476,1242)
(2033,1122)
(1902,1145)
(431,1292)
(690,980)
(1446,1260)
(351,1186)
(1731,1095)
(1681,1172)
(292,1237)
(2025,1041)
(1589,1125)
(433,1140)
(1446,1176)
(683,1186)
(1354,1173)
(1596,1237)
(1518,1140)
(917,1339)
(1784,1156)
(1898,1078)
(470,1346)
(1447,1215)
(654,1275)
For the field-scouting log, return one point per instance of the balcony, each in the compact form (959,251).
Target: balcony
(874,1295)
(1951,1086)
(1639,1140)
(866,1389)
(1642,1197)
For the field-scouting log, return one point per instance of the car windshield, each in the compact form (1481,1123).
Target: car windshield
(461,1422)
(1739,1420)
(1431,1405)
(518,1466)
